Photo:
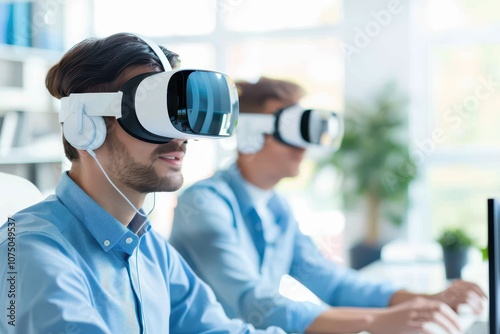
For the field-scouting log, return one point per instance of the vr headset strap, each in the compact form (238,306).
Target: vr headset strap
(164,61)
(95,104)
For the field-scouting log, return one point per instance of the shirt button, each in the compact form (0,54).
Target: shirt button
(106,243)
(129,240)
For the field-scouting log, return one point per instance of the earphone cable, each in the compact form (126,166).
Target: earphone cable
(92,153)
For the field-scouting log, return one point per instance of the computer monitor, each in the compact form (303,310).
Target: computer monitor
(494,263)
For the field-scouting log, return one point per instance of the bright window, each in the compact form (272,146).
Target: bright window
(458,195)
(193,55)
(452,14)
(465,101)
(154,18)
(460,69)
(322,75)
(264,15)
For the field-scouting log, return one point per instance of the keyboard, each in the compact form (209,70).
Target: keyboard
(479,327)
(471,324)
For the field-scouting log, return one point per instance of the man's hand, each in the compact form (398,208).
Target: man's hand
(462,292)
(410,317)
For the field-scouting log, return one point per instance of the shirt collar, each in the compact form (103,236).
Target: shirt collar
(260,197)
(236,182)
(107,230)
(245,197)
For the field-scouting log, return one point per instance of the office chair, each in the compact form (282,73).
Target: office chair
(16,193)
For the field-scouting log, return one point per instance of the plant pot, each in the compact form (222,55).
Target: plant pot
(363,254)
(454,260)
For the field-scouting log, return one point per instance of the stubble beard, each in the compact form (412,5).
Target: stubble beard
(142,177)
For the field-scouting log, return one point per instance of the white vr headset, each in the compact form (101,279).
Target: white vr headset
(294,126)
(155,107)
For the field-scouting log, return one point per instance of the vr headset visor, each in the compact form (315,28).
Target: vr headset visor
(294,126)
(159,106)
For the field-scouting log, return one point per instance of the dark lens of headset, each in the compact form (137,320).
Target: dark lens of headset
(202,102)
(322,127)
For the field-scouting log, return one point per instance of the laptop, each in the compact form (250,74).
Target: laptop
(471,323)
(481,327)
(493,268)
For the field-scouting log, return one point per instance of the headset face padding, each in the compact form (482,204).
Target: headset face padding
(86,133)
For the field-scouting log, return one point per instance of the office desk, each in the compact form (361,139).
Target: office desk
(422,277)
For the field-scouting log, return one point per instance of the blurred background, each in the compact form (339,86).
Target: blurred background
(422,76)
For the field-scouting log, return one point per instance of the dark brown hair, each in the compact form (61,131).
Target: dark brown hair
(94,65)
(252,96)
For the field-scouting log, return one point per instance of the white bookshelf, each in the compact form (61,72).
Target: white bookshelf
(38,156)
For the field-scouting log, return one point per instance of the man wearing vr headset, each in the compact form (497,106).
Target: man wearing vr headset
(240,237)
(87,260)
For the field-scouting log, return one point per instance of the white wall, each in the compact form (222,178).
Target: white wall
(377,44)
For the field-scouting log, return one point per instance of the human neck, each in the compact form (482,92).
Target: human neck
(92,180)
(257,177)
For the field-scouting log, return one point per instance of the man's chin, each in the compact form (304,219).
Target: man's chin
(169,184)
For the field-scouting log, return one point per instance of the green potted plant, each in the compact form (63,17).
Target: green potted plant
(455,244)
(376,166)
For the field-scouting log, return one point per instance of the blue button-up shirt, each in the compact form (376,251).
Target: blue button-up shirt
(68,266)
(219,232)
